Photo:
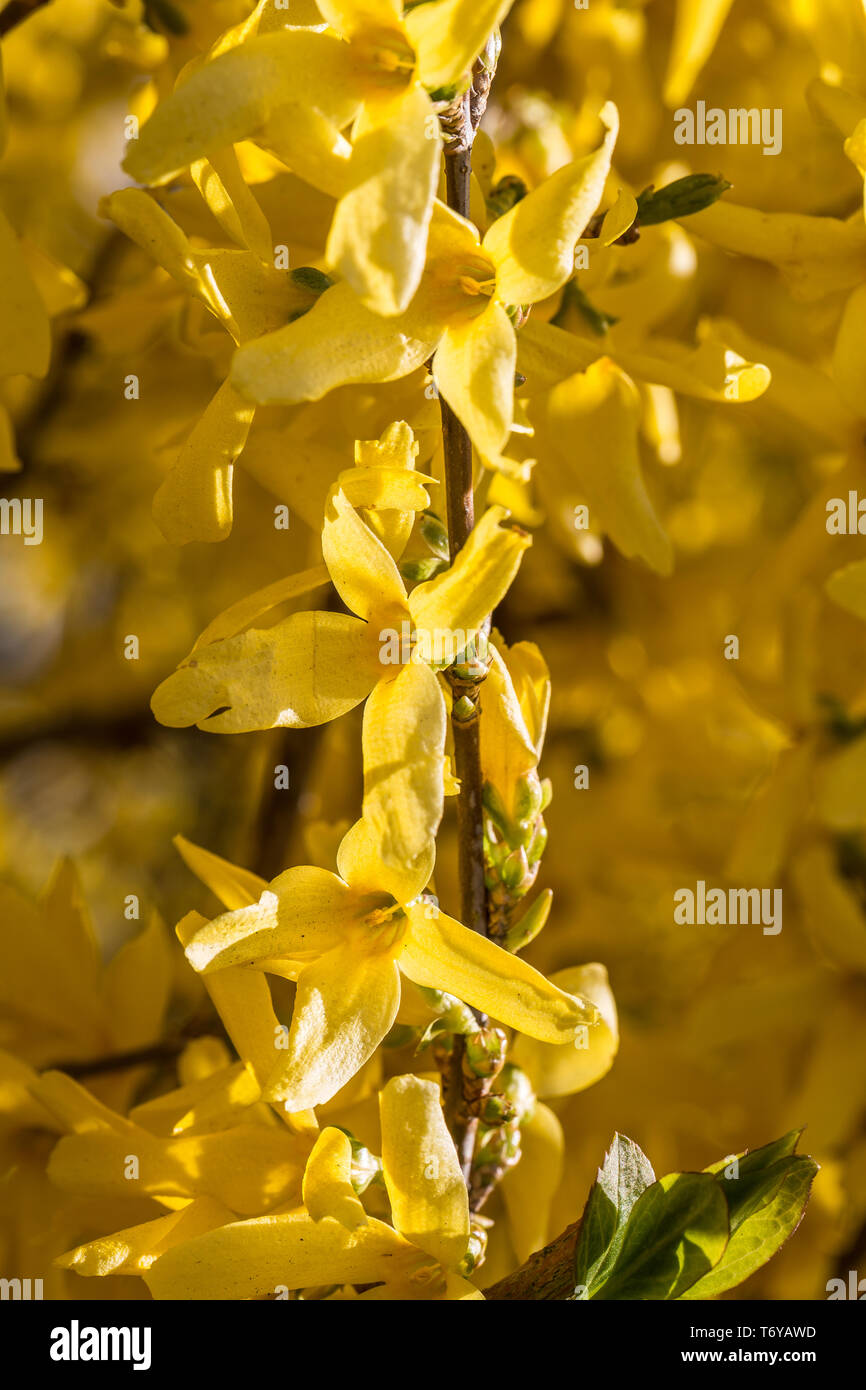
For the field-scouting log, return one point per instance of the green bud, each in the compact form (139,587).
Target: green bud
(306,277)
(435,1030)
(546,794)
(515,1084)
(525,832)
(505,194)
(494,806)
(680,198)
(434,534)
(476,1249)
(514,869)
(366,1167)
(485,1051)
(518,313)
(530,924)
(496,1109)
(416,571)
(463,710)
(447,93)
(528,797)
(436,998)
(500,1147)
(536,849)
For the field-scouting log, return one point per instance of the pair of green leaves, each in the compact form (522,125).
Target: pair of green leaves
(687,1235)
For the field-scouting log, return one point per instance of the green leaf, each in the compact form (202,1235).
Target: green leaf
(757,1175)
(680,198)
(676,1233)
(755,1160)
(624,1175)
(767,1203)
(689,1235)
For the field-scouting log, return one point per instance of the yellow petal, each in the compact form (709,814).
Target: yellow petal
(247,296)
(194,502)
(618,218)
(249,1168)
(310,144)
(562,1071)
(507,750)
(76,1109)
(533,243)
(137,983)
(589,425)
(254,1259)
(134,1250)
(378,237)
(307,669)
(59,288)
(847,587)
(241,614)
(25,345)
(712,372)
(302,913)
(697,25)
(336,343)
(849,357)
(448,35)
(817,255)
(528,1189)
(403,747)
(359,860)
(425,1183)
(474,370)
(363,572)
(831,906)
(242,998)
(443,954)
(327,1189)
(235,887)
(235,95)
(345,1004)
(353,18)
(220,182)
(209,1104)
(797,387)
(841,788)
(450,609)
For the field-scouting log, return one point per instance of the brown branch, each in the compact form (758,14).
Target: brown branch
(547,1275)
(458,131)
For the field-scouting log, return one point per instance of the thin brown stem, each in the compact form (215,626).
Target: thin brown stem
(459,500)
(460,505)
(462,1125)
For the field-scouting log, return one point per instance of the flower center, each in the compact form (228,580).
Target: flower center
(384,927)
(388,57)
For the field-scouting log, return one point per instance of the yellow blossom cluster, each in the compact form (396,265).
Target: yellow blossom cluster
(430,567)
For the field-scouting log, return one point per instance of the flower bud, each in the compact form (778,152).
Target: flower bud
(680,198)
(515,869)
(484,1052)
(530,924)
